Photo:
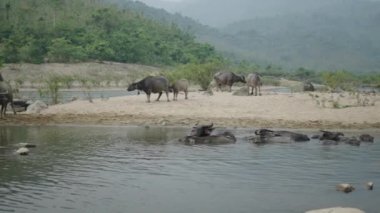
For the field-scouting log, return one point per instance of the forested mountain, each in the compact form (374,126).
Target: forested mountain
(81,30)
(342,36)
(325,34)
(336,34)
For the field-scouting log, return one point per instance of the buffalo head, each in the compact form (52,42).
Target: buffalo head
(132,87)
(242,78)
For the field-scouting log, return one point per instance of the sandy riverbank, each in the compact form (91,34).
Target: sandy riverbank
(298,110)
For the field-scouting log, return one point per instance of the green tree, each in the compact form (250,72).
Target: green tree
(61,50)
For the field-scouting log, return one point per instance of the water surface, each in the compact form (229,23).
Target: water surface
(138,169)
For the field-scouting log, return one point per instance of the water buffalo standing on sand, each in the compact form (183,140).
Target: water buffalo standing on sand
(254,81)
(227,78)
(6,96)
(180,85)
(152,84)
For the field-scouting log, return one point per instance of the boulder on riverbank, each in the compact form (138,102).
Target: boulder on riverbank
(36,107)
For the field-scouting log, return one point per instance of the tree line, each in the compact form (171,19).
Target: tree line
(36,31)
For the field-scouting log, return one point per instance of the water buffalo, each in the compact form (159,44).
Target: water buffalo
(272,136)
(205,134)
(152,84)
(180,85)
(6,96)
(254,81)
(227,78)
(334,138)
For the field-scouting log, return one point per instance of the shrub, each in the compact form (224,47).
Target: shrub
(51,85)
(201,74)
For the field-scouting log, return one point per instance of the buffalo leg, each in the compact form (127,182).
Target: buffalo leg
(2,111)
(259,90)
(159,96)
(148,97)
(167,96)
(185,94)
(13,108)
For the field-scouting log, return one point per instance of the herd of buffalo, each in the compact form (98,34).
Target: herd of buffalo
(206,134)
(154,84)
(160,84)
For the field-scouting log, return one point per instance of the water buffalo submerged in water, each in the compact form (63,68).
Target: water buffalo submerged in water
(227,78)
(205,134)
(272,136)
(150,84)
(254,81)
(6,96)
(180,85)
(335,138)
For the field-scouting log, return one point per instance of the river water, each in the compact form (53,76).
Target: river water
(141,169)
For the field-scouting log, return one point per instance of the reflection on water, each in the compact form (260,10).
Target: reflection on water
(138,169)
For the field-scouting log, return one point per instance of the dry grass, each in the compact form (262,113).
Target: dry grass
(106,74)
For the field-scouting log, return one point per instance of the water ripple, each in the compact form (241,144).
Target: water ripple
(119,169)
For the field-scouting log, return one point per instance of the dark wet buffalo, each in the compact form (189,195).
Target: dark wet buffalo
(227,78)
(6,96)
(326,135)
(366,138)
(152,84)
(254,82)
(180,85)
(205,134)
(335,138)
(272,136)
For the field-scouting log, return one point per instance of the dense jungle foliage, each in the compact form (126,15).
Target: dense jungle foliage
(81,30)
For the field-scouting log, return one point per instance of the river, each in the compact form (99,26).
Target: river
(145,169)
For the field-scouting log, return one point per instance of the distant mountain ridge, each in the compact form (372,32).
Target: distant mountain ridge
(341,36)
(338,34)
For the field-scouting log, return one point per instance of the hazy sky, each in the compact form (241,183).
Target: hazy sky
(218,13)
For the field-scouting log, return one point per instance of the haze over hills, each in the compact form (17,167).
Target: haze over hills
(324,34)
(218,13)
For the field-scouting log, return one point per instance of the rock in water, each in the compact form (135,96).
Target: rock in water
(370,185)
(345,187)
(22,151)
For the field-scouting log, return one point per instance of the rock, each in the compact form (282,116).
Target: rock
(370,185)
(336,210)
(22,151)
(366,138)
(36,107)
(345,187)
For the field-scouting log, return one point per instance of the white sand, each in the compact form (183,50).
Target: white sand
(269,109)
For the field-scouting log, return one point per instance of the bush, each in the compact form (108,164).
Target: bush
(340,79)
(51,86)
(201,74)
